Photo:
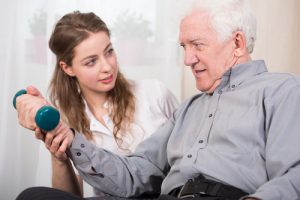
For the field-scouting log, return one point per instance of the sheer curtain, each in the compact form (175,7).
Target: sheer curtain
(144,34)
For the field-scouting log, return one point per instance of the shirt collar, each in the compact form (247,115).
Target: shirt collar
(95,125)
(241,72)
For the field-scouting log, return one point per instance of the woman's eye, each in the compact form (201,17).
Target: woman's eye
(91,62)
(110,51)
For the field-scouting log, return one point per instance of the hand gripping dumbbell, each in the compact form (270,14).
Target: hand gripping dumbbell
(46,118)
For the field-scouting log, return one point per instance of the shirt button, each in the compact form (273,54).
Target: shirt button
(200,141)
(78,154)
(101,175)
(189,156)
(82,145)
(210,115)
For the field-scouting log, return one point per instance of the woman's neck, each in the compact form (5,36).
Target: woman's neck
(95,102)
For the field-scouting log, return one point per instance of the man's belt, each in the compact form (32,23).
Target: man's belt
(202,187)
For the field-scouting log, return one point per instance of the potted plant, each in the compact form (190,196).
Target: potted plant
(38,44)
(131,32)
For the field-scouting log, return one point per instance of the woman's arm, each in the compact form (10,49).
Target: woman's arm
(57,141)
(64,177)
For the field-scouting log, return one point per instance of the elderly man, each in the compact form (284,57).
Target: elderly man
(236,140)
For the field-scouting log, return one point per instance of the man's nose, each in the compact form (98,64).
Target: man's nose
(190,57)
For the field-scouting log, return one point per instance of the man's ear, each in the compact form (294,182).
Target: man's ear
(240,44)
(66,68)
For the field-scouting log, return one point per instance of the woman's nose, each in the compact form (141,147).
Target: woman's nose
(105,66)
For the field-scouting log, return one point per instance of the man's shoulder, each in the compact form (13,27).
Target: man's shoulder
(276,79)
(284,76)
(276,86)
(189,101)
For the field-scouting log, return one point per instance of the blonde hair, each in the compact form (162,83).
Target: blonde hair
(65,93)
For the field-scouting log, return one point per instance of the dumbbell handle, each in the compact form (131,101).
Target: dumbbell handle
(46,118)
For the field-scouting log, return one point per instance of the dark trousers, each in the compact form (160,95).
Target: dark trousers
(45,193)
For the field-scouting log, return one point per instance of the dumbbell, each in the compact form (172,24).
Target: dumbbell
(46,118)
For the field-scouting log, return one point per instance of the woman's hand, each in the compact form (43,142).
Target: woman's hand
(58,140)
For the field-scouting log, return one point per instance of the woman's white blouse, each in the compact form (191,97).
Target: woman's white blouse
(154,105)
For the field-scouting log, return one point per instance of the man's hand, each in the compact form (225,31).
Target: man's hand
(27,106)
(58,140)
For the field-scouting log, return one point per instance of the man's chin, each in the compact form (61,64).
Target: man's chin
(205,89)
(201,89)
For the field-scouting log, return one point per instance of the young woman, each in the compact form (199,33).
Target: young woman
(94,97)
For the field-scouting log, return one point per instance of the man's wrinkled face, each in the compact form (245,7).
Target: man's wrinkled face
(208,57)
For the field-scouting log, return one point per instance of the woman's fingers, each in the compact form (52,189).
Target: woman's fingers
(60,156)
(61,153)
(39,134)
(48,140)
(63,147)
(56,143)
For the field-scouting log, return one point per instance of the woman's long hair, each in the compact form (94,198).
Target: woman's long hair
(65,93)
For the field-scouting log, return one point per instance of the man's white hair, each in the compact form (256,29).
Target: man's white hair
(229,16)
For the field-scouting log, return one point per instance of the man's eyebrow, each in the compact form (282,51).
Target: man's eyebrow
(193,40)
(196,39)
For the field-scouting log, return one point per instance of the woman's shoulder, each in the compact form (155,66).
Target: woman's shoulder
(147,84)
(155,91)
(152,88)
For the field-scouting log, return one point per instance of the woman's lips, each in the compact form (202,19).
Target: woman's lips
(107,80)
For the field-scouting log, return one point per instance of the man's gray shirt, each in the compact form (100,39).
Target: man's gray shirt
(246,134)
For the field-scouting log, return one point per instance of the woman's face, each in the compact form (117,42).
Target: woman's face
(94,64)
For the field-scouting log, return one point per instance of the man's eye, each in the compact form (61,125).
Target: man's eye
(198,46)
